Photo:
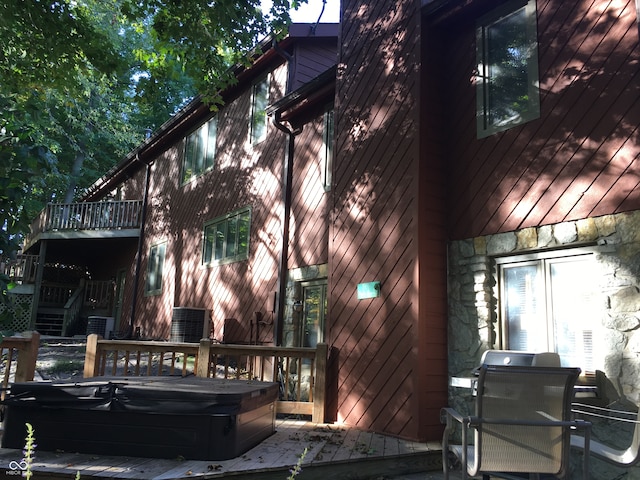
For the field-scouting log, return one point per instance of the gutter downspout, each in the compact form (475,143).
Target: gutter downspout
(143,221)
(283,263)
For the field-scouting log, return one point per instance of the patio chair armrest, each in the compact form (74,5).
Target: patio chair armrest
(448,413)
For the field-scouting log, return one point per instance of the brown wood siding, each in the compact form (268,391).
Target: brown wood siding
(243,176)
(374,232)
(312,57)
(309,234)
(577,160)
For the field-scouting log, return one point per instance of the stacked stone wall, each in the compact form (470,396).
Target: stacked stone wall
(473,307)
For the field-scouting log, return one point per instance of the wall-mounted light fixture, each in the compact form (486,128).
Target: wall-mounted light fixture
(297,306)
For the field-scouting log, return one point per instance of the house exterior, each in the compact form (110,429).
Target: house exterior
(452,176)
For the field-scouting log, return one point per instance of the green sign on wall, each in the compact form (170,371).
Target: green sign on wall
(368,290)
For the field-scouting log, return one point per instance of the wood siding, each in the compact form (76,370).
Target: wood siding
(309,234)
(243,176)
(579,159)
(381,342)
(311,58)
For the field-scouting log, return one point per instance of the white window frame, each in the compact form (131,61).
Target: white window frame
(209,239)
(199,150)
(155,266)
(486,125)
(543,260)
(258,119)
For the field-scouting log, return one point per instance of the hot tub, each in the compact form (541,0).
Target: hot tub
(157,417)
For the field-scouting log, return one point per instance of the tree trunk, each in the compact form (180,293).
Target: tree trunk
(76,168)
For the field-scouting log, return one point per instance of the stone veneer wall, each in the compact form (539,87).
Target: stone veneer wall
(473,312)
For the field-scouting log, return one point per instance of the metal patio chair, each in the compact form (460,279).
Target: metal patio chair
(618,457)
(522,424)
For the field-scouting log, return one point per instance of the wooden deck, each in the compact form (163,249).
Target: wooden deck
(333,452)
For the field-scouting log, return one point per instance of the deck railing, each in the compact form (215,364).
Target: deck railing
(301,372)
(88,216)
(21,270)
(19,355)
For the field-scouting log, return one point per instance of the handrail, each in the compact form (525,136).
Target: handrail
(22,269)
(620,457)
(301,372)
(20,355)
(73,306)
(107,215)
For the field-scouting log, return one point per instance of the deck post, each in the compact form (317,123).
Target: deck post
(320,386)
(204,353)
(26,364)
(91,357)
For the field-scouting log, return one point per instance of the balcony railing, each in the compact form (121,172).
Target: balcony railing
(22,269)
(110,215)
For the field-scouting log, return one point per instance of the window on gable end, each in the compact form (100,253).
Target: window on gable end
(200,150)
(259,101)
(507,67)
(155,264)
(226,239)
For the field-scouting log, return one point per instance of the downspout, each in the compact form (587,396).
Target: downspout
(287,174)
(283,264)
(143,220)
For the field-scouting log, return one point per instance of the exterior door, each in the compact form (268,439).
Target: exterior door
(314,298)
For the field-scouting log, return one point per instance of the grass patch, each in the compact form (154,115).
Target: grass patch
(60,366)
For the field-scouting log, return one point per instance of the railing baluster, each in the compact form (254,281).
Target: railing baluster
(114,369)
(138,353)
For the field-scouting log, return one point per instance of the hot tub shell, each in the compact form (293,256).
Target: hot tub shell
(156,417)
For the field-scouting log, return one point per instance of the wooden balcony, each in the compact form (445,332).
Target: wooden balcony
(87,219)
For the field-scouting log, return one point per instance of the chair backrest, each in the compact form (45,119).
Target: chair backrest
(523,394)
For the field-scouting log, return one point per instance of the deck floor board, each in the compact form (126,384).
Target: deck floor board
(328,446)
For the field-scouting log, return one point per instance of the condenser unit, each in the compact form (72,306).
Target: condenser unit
(103,326)
(189,324)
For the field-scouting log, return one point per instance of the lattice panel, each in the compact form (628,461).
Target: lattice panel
(20,312)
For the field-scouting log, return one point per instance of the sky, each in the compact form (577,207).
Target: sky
(310,11)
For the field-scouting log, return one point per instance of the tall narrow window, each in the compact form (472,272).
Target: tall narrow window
(507,67)
(259,100)
(226,239)
(548,304)
(327,149)
(155,264)
(200,150)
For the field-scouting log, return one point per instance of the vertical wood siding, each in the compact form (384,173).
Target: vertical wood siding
(580,158)
(374,223)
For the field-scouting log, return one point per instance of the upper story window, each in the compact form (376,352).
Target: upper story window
(155,264)
(259,101)
(327,149)
(548,303)
(226,239)
(507,67)
(199,150)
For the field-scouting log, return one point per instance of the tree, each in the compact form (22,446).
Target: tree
(81,81)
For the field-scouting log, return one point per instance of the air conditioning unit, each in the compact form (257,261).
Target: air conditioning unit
(189,324)
(103,326)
